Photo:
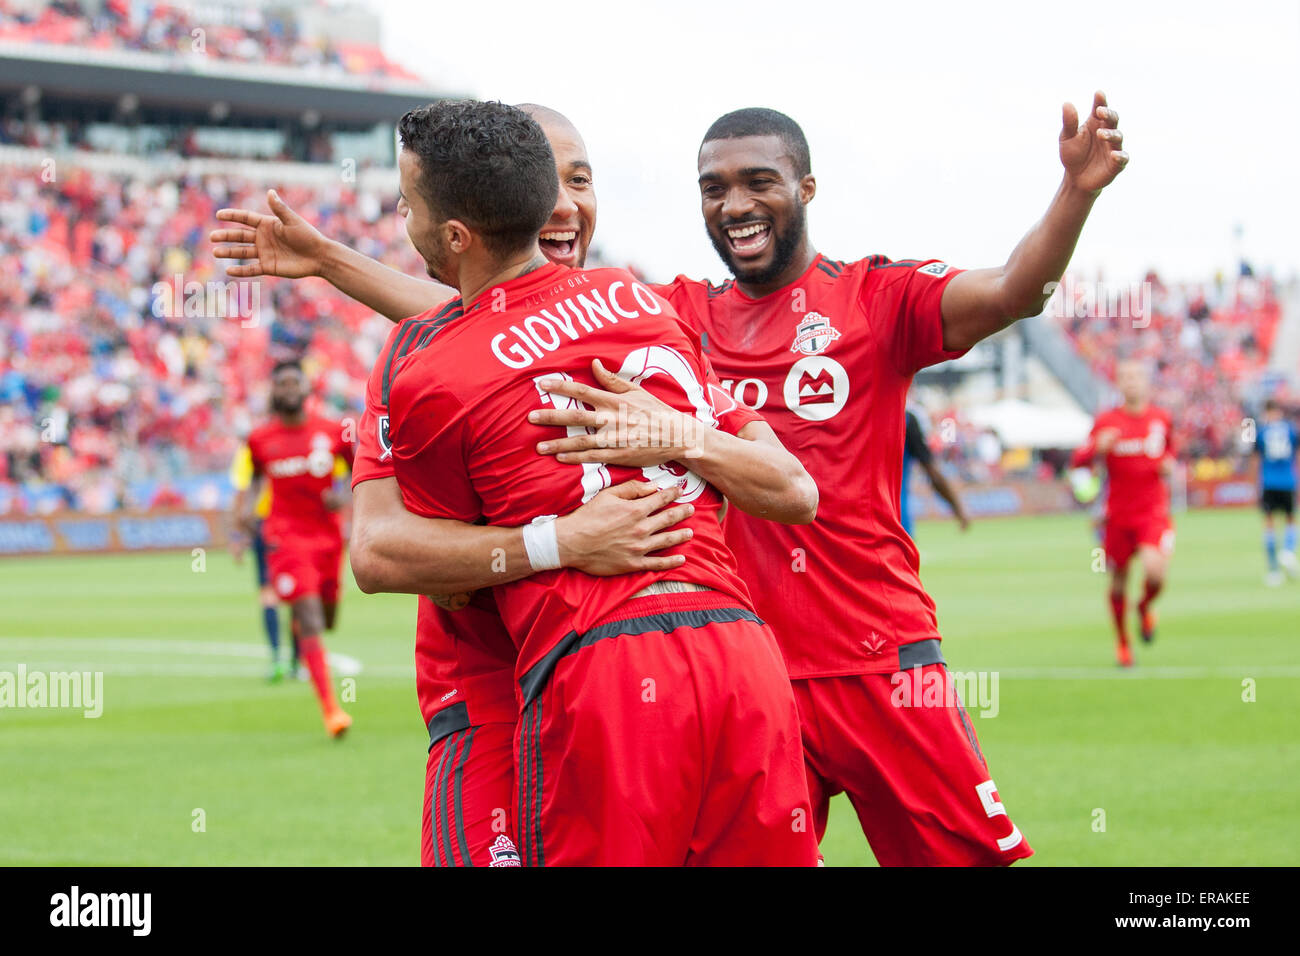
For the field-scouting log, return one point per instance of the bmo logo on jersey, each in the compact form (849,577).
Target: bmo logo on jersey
(816,388)
(319,463)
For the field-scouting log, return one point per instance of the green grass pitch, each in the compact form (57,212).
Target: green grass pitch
(1185,771)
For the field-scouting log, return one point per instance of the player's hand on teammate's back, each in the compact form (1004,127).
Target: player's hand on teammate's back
(281,244)
(1092,153)
(616,531)
(633,427)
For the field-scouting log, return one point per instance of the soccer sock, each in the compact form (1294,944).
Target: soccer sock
(271,621)
(1149,593)
(1288,540)
(1117,606)
(1270,548)
(313,652)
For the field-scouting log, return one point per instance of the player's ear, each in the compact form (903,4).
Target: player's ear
(807,188)
(457,235)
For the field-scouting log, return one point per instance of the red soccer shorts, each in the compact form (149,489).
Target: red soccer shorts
(468,783)
(304,568)
(908,759)
(1121,542)
(666,736)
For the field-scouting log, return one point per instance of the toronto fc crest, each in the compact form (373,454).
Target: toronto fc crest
(814,334)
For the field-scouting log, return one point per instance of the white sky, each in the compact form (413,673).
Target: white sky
(932,125)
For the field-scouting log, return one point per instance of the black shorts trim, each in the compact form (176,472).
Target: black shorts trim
(531,684)
(920,654)
(1277,499)
(449,720)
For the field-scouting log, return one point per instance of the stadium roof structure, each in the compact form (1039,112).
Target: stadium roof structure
(195,83)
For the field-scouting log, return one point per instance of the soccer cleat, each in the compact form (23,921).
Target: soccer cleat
(1273,579)
(1147,625)
(277,673)
(1289,563)
(1125,656)
(337,723)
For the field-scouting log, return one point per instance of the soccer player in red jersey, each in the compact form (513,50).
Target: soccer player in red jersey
(657,722)
(1133,442)
(469,771)
(826,351)
(296,452)
(922,769)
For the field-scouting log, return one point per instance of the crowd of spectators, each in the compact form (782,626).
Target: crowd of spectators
(1207,345)
(114,388)
(252,34)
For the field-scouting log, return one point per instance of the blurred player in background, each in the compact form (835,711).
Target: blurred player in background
(295,453)
(1275,446)
(917,451)
(241,477)
(1133,443)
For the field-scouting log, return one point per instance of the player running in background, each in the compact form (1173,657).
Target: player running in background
(657,724)
(241,477)
(1133,443)
(1276,444)
(917,451)
(295,453)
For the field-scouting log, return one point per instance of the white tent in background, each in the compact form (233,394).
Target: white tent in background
(1022,425)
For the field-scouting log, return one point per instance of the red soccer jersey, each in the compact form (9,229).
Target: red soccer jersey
(1134,464)
(463,447)
(464,660)
(298,460)
(828,361)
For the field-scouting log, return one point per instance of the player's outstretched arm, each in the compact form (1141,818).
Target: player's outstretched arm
(286,245)
(393,550)
(983,301)
(634,428)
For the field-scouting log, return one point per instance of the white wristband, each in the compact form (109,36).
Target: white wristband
(541,544)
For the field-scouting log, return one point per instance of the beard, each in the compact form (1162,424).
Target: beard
(437,262)
(787,244)
(286,406)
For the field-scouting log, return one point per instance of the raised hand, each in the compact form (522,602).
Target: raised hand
(282,244)
(1092,153)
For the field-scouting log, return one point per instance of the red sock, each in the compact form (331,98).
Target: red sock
(1149,594)
(313,652)
(1117,602)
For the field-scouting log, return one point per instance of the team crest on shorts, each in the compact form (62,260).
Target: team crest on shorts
(284,583)
(814,334)
(504,852)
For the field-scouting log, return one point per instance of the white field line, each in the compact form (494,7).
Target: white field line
(343,665)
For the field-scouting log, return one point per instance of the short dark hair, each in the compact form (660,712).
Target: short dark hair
(759,121)
(488,165)
(283,364)
(1271,404)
